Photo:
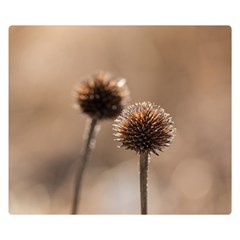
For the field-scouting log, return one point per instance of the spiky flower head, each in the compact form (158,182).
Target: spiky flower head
(101,96)
(144,127)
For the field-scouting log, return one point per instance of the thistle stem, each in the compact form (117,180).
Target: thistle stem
(88,146)
(143,181)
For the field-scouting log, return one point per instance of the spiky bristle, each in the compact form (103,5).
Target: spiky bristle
(144,127)
(101,96)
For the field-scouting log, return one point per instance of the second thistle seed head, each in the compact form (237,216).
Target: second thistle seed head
(101,96)
(144,127)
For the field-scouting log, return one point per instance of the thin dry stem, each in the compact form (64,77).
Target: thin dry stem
(143,181)
(91,130)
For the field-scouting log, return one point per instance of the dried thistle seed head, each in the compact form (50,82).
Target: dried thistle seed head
(144,127)
(101,96)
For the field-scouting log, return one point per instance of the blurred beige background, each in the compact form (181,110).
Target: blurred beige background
(186,70)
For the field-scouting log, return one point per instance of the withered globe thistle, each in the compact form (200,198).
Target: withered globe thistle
(101,96)
(144,127)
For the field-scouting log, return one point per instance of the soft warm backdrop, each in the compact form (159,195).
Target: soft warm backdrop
(186,70)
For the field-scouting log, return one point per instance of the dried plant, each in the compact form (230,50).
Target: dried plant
(100,97)
(145,128)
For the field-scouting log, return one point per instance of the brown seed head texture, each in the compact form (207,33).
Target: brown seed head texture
(101,96)
(144,127)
